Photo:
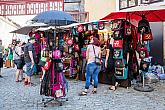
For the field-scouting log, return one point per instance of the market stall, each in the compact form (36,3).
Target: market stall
(50,53)
(124,34)
(142,16)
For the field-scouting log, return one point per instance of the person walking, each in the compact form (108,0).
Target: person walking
(1,58)
(29,57)
(93,53)
(18,60)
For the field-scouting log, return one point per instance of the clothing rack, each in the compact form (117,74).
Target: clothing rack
(54,81)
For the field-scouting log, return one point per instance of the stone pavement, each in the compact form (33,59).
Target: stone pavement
(14,96)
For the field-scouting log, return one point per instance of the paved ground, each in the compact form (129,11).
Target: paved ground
(14,96)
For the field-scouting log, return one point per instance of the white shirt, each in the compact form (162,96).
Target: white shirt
(91,55)
(19,52)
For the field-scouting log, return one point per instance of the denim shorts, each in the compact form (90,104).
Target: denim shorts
(29,69)
(19,63)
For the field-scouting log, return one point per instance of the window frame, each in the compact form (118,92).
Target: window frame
(150,2)
(128,6)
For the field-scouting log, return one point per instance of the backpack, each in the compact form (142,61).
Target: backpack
(144,25)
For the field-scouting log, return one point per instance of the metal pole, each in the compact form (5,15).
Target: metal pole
(54,40)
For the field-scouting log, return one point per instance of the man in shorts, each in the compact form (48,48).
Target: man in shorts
(29,57)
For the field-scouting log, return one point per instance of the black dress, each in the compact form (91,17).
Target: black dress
(110,71)
(127,82)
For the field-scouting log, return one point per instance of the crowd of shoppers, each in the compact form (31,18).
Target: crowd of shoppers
(19,54)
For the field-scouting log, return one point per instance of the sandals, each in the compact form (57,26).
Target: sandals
(112,88)
(83,93)
(25,83)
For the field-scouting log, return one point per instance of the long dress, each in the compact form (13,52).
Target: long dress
(110,71)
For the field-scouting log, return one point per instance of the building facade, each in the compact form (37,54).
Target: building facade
(76,9)
(6,26)
(99,8)
(128,4)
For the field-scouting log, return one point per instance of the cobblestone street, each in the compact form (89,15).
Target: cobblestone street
(15,96)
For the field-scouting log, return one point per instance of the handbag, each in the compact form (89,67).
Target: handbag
(116,24)
(58,90)
(143,52)
(80,28)
(119,63)
(83,52)
(70,41)
(57,54)
(117,34)
(95,25)
(47,65)
(76,48)
(118,44)
(128,29)
(118,54)
(143,26)
(8,64)
(101,25)
(147,36)
(97,59)
(121,73)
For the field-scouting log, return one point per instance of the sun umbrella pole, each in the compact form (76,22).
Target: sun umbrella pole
(54,40)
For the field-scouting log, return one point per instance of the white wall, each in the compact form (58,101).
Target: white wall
(6,28)
(5,36)
(99,8)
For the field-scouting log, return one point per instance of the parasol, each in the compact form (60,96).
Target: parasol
(151,13)
(54,18)
(26,29)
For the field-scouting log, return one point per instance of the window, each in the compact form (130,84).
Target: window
(123,4)
(127,3)
(132,3)
(150,1)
